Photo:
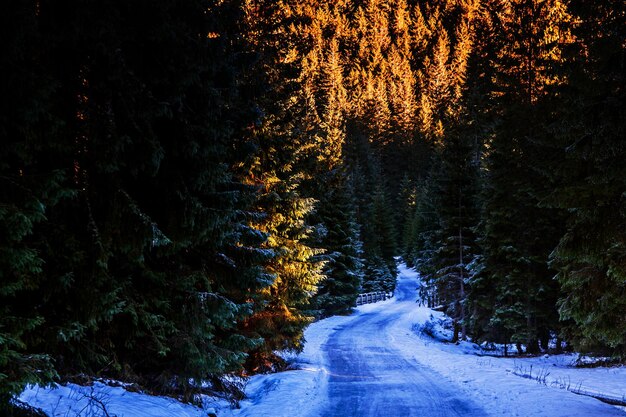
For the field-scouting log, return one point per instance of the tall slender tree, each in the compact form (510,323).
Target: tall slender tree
(340,237)
(515,254)
(29,128)
(590,182)
(284,160)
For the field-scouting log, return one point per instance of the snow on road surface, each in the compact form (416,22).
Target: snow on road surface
(373,363)
(370,376)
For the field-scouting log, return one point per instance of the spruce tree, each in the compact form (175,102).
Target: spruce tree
(28,129)
(142,261)
(343,267)
(405,218)
(424,226)
(283,162)
(454,247)
(514,253)
(590,182)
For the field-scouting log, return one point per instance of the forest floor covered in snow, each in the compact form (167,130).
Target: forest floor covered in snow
(519,386)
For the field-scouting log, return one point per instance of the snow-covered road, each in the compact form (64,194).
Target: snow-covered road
(369,376)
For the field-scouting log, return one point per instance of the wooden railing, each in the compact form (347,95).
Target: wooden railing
(372,297)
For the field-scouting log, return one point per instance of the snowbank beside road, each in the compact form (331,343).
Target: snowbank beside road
(300,392)
(102,400)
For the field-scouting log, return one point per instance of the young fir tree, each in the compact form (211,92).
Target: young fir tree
(343,267)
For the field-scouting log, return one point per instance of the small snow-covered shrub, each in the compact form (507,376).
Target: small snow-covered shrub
(438,328)
(427,329)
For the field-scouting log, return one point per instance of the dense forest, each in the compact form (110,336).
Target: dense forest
(185,185)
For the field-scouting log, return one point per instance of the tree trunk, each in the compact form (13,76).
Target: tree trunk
(559,348)
(461,275)
(533,347)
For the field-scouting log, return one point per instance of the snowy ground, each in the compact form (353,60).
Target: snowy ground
(101,400)
(491,382)
(494,383)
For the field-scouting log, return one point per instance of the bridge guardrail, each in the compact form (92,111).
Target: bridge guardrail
(372,297)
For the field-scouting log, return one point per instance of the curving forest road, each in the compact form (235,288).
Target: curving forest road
(369,377)
(373,363)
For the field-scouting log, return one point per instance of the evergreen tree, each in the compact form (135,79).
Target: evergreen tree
(142,263)
(322,74)
(184,186)
(343,268)
(424,225)
(28,188)
(283,162)
(405,218)
(515,253)
(373,214)
(454,185)
(590,177)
